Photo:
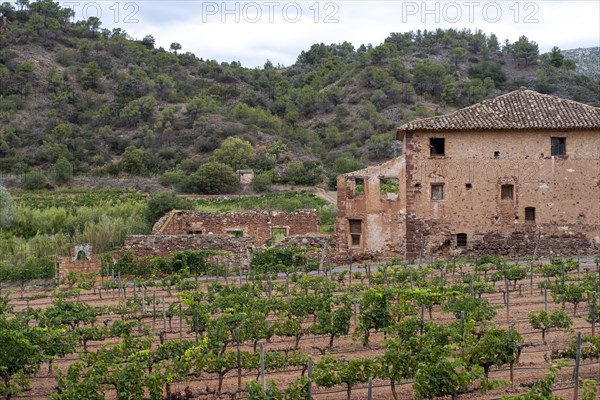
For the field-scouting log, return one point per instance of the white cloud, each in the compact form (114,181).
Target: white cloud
(254,31)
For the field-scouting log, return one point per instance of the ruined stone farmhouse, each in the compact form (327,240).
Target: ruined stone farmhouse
(517,174)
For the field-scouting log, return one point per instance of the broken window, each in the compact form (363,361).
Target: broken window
(355,231)
(559,146)
(277,235)
(529,213)
(195,232)
(507,192)
(437,146)
(356,186)
(359,186)
(461,240)
(437,191)
(236,233)
(388,185)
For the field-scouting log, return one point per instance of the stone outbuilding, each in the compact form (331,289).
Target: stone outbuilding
(512,175)
(264,227)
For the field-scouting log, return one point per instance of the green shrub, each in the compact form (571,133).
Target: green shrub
(33,181)
(63,171)
(161,203)
(262,182)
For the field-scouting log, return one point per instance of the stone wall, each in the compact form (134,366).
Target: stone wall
(379,213)
(256,224)
(165,245)
(66,264)
(323,244)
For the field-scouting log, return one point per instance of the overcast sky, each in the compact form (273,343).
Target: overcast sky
(253,31)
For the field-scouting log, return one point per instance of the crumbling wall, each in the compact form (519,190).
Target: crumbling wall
(523,243)
(256,224)
(364,205)
(165,245)
(66,264)
(323,244)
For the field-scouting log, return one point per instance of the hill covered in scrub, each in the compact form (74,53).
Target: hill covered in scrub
(587,60)
(79,99)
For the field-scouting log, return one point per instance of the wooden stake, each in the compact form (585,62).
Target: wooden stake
(196,324)
(239,358)
(164,312)
(576,371)
(507,300)
(153,309)
(594,313)
(180,322)
(309,371)
(545,297)
(350,275)
(262,366)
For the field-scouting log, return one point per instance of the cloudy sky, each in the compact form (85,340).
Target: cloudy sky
(253,31)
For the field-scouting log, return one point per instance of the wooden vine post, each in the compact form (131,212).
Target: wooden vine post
(576,371)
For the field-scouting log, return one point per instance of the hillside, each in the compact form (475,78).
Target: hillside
(75,96)
(587,60)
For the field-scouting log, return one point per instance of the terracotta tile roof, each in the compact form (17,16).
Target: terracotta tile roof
(520,109)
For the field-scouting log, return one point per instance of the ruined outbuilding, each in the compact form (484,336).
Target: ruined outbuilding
(264,227)
(512,175)
(235,233)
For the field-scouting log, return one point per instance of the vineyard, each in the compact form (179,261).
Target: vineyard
(291,328)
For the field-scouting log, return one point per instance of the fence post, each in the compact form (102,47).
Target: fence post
(370,389)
